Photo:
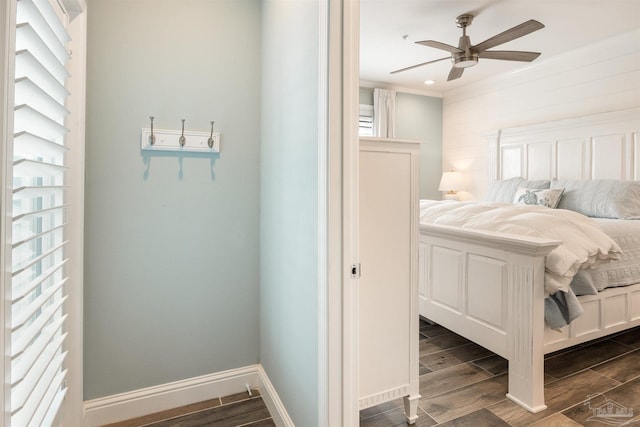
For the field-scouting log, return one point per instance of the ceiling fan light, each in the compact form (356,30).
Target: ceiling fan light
(464,61)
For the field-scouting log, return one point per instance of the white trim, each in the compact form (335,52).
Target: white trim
(7,41)
(323,273)
(76,103)
(272,400)
(336,235)
(373,85)
(149,400)
(350,212)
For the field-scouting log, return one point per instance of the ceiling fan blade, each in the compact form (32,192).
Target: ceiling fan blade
(455,73)
(509,55)
(440,45)
(511,34)
(419,65)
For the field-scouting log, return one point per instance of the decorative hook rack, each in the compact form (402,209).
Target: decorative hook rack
(179,140)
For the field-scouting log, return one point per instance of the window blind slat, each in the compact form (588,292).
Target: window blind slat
(28,39)
(58,27)
(36,328)
(22,291)
(24,266)
(38,249)
(51,402)
(29,237)
(25,313)
(24,408)
(26,119)
(39,191)
(56,402)
(34,168)
(29,93)
(32,366)
(27,145)
(38,213)
(29,13)
(28,66)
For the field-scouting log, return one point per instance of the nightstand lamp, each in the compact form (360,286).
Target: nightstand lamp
(451,182)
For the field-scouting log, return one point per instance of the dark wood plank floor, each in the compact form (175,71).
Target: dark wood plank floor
(237,410)
(463,384)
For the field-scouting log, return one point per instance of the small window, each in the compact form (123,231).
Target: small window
(366,120)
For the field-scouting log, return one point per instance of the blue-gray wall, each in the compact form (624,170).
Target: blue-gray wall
(419,117)
(289,207)
(172,242)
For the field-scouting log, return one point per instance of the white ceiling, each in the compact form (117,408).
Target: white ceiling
(569,24)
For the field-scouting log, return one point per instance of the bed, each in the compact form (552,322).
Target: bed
(489,286)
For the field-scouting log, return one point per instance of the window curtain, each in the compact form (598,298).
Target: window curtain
(384,113)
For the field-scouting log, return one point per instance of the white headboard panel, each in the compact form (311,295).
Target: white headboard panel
(598,146)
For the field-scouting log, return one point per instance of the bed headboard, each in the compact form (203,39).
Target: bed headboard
(599,146)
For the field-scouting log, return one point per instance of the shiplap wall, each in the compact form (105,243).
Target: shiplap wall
(597,78)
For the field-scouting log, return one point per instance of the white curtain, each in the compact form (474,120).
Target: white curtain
(384,113)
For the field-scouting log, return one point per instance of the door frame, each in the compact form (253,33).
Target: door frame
(341,296)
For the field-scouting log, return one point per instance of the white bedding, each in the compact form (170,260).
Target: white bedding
(622,272)
(584,244)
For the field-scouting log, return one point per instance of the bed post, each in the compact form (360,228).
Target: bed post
(526,337)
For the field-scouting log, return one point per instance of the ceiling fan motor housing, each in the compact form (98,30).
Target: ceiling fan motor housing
(464,20)
(465,57)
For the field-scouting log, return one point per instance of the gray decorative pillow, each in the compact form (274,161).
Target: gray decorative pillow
(544,197)
(601,198)
(504,191)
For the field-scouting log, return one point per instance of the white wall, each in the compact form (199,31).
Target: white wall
(598,78)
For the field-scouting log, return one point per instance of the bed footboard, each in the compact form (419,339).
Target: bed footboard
(489,288)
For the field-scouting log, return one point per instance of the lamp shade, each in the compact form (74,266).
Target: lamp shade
(451,181)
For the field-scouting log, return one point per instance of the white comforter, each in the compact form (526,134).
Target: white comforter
(584,244)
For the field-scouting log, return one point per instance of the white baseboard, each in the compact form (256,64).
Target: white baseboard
(123,406)
(272,400)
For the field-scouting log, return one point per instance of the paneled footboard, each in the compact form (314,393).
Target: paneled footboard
(489,288)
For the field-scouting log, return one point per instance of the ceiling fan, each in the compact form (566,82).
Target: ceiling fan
(467,55)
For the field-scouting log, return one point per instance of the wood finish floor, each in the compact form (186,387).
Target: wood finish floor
(237,410)
(463,384)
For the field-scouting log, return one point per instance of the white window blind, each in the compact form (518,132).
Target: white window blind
(366,120)
(37,369)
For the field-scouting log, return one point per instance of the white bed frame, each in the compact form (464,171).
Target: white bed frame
(489,287)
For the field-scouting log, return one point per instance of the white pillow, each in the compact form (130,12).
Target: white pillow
(601,198)
(544,197)
(504,191)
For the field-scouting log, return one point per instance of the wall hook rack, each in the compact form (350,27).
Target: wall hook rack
(182,140)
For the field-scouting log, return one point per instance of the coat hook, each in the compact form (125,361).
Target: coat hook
(152,137)
(182,139)
(210,141)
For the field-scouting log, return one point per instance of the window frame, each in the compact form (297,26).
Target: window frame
(71,412)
